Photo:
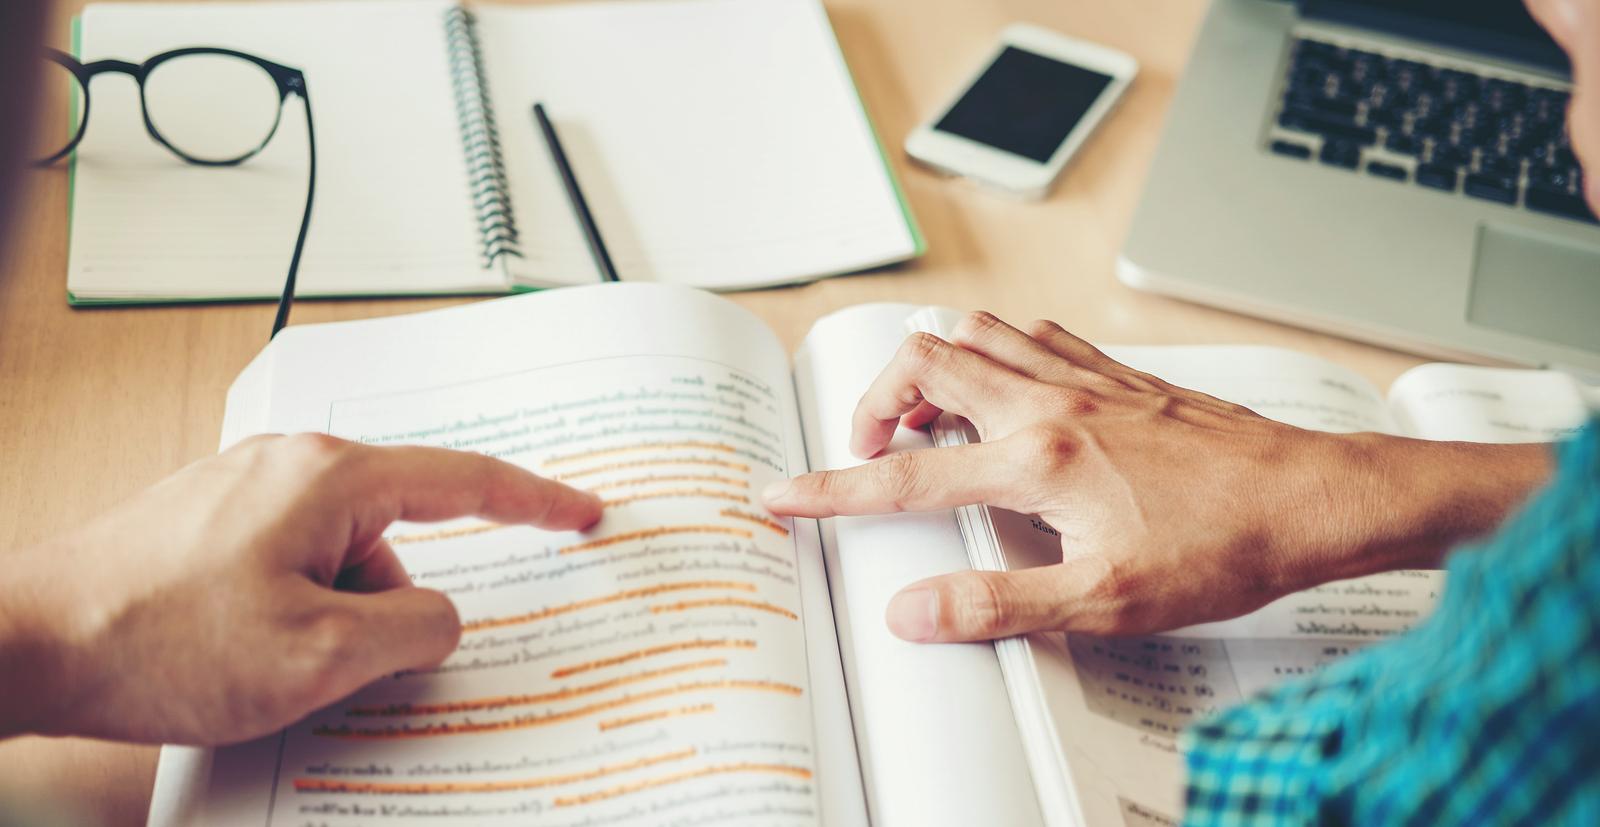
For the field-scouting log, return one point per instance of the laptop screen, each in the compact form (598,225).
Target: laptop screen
(1502,28)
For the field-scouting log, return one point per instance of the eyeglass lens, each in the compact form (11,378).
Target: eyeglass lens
(214,108)
(208,107)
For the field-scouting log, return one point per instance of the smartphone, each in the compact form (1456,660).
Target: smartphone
(1026,110)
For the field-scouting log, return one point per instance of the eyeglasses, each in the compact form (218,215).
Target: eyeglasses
(210,107)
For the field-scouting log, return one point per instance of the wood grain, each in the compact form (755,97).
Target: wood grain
(97,403)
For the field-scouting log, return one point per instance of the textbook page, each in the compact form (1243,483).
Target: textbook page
(675,664)
(392,214)
(1480,404)
(939,744)
(719,143)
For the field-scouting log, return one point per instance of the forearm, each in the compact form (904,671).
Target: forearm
(1409,502)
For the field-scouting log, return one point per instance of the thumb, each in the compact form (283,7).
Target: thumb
(389,631)
(984,605)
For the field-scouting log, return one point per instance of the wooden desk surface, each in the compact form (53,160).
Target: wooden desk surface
(95,404)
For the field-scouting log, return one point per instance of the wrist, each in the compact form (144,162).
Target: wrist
(43,641)
(1405,503)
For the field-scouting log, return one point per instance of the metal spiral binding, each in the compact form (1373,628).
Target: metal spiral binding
(480,137)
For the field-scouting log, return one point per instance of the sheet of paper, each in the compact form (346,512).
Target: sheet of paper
(1479,404)
(676,662)
(392,211)
(1291,387)
(720,143)
(938,741)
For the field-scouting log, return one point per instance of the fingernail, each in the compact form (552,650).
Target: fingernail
(914,615)
(775,491)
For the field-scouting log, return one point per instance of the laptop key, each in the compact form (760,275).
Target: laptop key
(1292,149)
(1435,128)
(1341,154)
(1306,120)
(1437,177)
(1445,155)
(1497,167)
(1390,171)
(1341,109)
(1558,202)
(1551,178)
(1535,146)
(1402,144)
(1491,188)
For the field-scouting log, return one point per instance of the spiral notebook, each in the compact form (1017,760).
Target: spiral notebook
(721,144)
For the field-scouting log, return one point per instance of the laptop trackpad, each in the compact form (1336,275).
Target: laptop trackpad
(1536,286)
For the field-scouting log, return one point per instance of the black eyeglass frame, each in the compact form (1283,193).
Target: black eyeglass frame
(290,81)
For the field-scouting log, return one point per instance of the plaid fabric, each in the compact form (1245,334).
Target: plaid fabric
(1488,713)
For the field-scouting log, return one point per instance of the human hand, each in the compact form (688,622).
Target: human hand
(1575,26)
(246,590)
(1174,507)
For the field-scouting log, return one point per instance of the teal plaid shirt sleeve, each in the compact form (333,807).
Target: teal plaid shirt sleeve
(1488,713)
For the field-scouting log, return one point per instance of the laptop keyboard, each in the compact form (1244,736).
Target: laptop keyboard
(1437,127)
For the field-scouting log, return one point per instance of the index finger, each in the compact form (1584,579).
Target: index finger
(929,369)
(426,484)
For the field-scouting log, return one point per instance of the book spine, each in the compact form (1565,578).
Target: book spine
(480,138)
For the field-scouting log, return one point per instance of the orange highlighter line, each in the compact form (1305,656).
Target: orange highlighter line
(628,657)
(531,721)
(322,785)
(713,602)
(506,701)
(629,594)
(652,479)
(652,533)
(678,493)
(759,520)
(618,723)
(651,463)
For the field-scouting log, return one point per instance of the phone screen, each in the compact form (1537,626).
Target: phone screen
(1025,104)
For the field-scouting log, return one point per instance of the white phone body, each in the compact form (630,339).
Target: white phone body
(1007,170)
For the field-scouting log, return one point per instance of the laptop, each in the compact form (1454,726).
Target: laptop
(1396,171)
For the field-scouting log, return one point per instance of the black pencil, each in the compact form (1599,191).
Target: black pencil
(580,207)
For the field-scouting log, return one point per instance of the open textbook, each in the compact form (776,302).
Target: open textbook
(694,660)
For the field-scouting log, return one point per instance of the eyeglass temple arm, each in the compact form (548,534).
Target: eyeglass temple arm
(286,301)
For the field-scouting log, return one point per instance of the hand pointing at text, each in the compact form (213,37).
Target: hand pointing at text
(246,590)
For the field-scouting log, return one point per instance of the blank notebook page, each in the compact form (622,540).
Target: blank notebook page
(720,143)
(392,211)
